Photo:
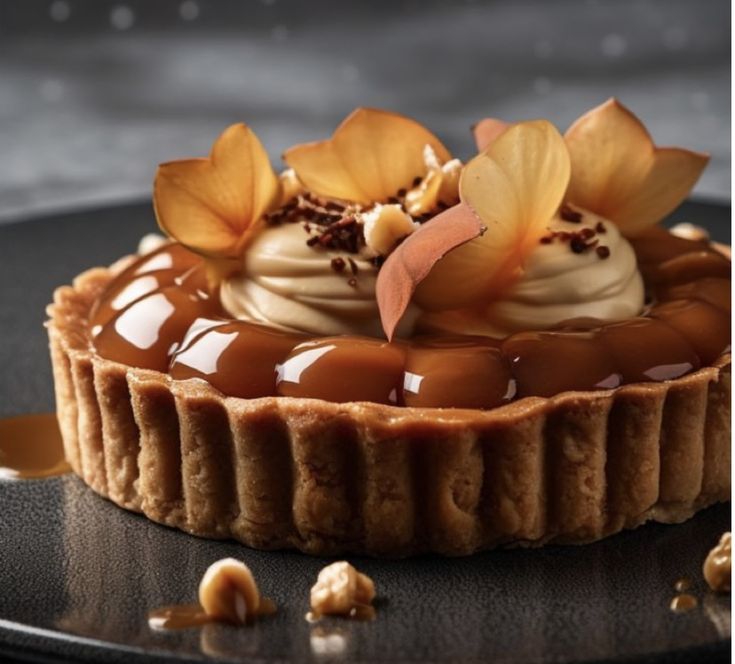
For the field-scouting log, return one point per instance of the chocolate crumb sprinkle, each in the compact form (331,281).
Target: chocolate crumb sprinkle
(353,266)
(577,244)
(352,282)
(586,233)
(338,264)
(600,227)
(416,181)
(572,216)
(603,251)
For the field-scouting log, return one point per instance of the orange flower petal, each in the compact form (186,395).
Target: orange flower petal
(409,264)
(213,205)
(618,172)
(370,156)
(486,131)
(515,188)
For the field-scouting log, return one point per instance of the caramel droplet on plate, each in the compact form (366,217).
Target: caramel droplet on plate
(683,603)
(31,447)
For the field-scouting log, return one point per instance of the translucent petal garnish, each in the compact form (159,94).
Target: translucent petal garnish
(620,174)
(213,206)
(371,156)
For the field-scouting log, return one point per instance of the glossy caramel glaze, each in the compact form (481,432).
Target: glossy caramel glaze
(359,612)
(186,616)
(683,602)
(178,616)
(31,447)
(157,314)
(342,369)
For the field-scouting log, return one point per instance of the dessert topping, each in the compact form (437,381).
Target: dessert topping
(569,214)
(385,226)
(606,163)
(579,240)
(440,187)
(515,204)
(290,186)
(214,206)
(557,284)
(412,261)
(620,174)
(486,131)
(150,242)
(291,286)
(717,567)
(372,155)
(341,590)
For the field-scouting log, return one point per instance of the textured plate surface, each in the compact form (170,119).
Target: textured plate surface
(78,574)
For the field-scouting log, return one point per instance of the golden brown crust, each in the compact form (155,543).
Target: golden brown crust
(325,477)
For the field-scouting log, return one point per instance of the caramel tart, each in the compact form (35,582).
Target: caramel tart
(451,443)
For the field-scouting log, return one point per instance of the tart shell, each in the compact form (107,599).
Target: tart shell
(328,478)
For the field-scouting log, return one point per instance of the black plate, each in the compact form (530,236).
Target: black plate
(78,574)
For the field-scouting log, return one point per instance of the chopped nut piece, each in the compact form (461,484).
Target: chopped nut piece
(689,232)
(717,566)
(290,186)
(150,242)
(228,592)
(384,226)
(571,215)
(440,186)
(340,589)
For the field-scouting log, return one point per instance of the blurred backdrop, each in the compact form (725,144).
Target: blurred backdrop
(94,94)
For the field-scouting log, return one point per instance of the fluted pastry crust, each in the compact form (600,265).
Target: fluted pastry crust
(328,478)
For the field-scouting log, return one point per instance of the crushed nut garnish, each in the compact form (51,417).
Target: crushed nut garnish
(337,226)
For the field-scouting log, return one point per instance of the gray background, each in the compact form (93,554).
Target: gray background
(94,94)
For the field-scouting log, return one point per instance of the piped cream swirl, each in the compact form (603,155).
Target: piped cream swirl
(292,286)
(558,285)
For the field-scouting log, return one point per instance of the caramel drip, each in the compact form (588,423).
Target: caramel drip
(31,447)
(683,584)
(683,602)
(178,616)
(359,612)
(186,616)
(157,314)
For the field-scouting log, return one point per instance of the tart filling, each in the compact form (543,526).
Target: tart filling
(163,318)
(490,280)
